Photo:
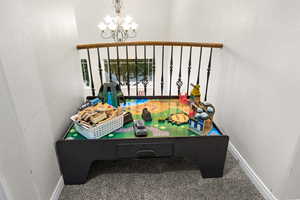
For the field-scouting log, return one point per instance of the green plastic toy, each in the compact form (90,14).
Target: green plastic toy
(111,93)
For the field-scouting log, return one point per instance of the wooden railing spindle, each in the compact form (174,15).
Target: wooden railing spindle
(171,71)
(100,66)
(179,81)
(208,74)
(91,72)
(153,70)
(118,65)
(127,64)
(162,71)
(109,66)
(189,71)
(145,81)
(136,70)
(199,67)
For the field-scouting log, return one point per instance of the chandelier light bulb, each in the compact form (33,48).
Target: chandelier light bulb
(102,26)
(108,19)
(112,26)
(126,26)
(134,25)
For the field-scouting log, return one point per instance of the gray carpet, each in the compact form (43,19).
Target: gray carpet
(161,179)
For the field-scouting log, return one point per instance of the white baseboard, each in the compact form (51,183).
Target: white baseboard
(259,184)
(56,193)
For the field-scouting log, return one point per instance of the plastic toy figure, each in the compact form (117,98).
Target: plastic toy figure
(183,99)
(195,94)
(111,93)
(192,114)
(146,115)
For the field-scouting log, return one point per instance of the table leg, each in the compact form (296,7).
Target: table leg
(211,172)
(75,172)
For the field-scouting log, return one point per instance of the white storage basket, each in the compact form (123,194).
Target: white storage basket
(102,129)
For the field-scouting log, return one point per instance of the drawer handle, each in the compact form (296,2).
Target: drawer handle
(145,153)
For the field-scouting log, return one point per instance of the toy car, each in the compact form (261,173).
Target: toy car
(139,128)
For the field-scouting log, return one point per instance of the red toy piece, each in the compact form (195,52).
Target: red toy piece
(183,99)
(192,114)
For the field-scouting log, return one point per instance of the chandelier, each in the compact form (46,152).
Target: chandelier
(118,27)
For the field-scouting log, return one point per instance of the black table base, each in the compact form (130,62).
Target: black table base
(76,156)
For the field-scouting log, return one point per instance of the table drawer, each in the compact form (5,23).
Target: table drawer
(144,150)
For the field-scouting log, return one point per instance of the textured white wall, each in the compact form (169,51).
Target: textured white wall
(256,76)
(293,181)
(15,177)
(41,65)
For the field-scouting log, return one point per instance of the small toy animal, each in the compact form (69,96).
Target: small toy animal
(146,115)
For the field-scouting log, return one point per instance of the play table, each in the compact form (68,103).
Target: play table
(76,153)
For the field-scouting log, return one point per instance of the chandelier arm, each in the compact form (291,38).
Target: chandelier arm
(132,34)
(120,35)
(125,35)
(106,35)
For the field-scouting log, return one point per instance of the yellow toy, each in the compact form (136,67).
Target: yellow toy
(196,95)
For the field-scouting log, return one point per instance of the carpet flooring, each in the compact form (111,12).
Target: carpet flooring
(155,179)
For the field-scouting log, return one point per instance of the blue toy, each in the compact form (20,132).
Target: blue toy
(89,103)
(196,124)
(111,93)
